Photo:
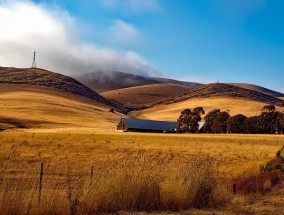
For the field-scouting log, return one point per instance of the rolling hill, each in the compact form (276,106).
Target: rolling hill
(44,78)
(225,90)
(211,96)
(171,112)
(146,95)
(259,89)
(36,98)
(33,107)
(106,81)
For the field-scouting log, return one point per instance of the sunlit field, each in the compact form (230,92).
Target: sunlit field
(96,168)
(233,154)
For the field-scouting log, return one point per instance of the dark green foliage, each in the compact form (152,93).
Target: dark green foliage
(236,124)
(188,120)
(251,125)
(220,123)
(184,121)
(280,123)
(267,122)
(209,119)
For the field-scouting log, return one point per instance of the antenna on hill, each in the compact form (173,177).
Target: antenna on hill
(34,61)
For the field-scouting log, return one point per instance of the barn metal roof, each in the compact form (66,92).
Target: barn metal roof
(132,123)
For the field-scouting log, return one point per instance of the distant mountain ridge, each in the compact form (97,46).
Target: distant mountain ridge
(106,81)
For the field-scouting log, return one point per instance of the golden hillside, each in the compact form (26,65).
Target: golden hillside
(146,95)
(225,90)
(40,77)
(172,111)
(25,106)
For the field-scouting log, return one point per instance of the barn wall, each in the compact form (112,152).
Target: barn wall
(122,126)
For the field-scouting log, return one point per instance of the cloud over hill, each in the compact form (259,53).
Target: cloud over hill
(56,36)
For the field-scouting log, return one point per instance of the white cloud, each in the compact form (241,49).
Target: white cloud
(123,32)
(53,33)
(135,5)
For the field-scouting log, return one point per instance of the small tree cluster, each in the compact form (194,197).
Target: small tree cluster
(188,120)
(216,121)
(269,121)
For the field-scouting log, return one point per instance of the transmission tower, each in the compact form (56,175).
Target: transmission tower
(34,61)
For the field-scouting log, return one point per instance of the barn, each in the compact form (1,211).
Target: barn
(131,124)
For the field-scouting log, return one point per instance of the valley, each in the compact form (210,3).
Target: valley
(55,122)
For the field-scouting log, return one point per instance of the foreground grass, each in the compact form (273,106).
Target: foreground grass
(108,172)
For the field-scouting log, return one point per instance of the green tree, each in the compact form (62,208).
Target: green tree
(280,123)
(236,124)
(267,123)
(209,119)
(188,120)
(220,123)
(251,125)
(184,121)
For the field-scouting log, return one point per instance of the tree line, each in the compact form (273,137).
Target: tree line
(269,121)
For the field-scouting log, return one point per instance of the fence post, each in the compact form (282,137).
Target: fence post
(261,183)
(92,173)
(234,189)
(40,182)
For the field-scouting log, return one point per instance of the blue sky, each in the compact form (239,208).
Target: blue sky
(195,40)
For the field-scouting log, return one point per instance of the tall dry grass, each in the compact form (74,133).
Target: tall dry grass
(127,186)
(96,173)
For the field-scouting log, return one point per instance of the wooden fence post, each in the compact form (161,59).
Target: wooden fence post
(234,189)
(91,176)
(40,182)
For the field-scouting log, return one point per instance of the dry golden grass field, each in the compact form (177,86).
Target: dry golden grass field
(43,107)
(172,111)
(95,172)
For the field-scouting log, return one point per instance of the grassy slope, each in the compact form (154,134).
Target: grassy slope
(225,90)
(146,95)
(43,107)
(40,77)
(172,111)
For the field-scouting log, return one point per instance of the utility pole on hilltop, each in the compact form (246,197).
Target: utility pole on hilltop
(34,61)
